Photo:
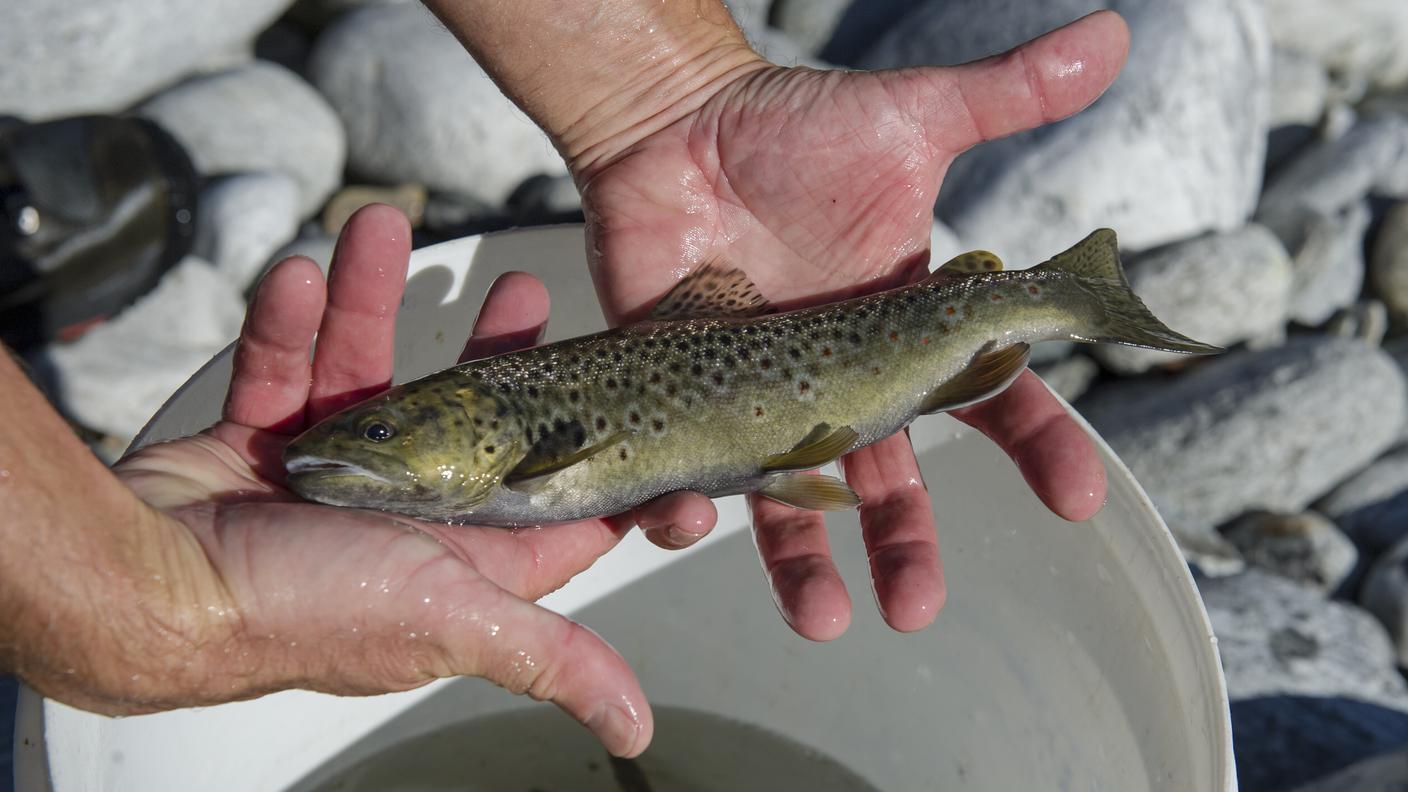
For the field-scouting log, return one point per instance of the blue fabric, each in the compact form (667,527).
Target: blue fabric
(9,694)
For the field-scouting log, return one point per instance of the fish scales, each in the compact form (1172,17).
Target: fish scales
(690,403)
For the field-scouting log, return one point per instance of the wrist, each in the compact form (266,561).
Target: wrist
(599,75)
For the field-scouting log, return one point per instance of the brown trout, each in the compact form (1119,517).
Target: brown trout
(712,393)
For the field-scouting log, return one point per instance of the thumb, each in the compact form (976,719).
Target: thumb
(1046,79)
(527,649)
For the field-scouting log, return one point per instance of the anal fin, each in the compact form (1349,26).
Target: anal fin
(807,491)
(820,446)
(988,375)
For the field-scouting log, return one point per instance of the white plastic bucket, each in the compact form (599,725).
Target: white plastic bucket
(1069,656)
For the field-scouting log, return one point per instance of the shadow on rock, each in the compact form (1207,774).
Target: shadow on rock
(1282,742)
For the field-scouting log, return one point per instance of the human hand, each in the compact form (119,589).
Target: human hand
(821,185)
(244,589)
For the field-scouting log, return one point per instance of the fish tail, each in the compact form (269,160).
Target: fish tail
(1117,314)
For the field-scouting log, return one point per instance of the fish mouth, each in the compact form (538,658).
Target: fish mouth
(312,468)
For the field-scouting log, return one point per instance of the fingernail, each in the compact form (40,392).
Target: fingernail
(616,728)
(680,537)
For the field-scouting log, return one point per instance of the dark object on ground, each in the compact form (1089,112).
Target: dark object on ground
(1285,741)
(93,210)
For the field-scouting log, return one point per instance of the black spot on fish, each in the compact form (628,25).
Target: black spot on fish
(729,361)
(579,437)
(670,389)
(623,455)
(542,430)
(674,367)
(744,353)
(600,424)
(616,356)
(478,421)
(765,363)
(654,377)
(709,353)
(718,378)
(657,424)
(611,383)
(649,343)
(489,450)
(601,353)
(795,353)
(635,417)
(696,369)
(573,396)
(855,338)
(532,392)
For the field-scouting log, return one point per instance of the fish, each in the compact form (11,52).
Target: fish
(715,392)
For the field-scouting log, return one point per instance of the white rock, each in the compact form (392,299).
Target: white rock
(243,220)
(1359,41)
(1173,149)
(943,244)
(810,22)
(1372,506)
(1298,88)
(1327,257)
(65,57)
(1202,546)
(254,118)
(1220,289)
(1388,266)
(1305,547)
(1270,430)
(1366,320)
(1385,594)
(418,109)
(115,376)
(317,247)
(1372,157)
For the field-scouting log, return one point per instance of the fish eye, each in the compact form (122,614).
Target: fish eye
(378,431)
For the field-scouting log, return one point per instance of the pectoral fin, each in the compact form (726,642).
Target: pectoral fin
(988,375)
(532,474)
(821,445)
(807,491)
(716,289)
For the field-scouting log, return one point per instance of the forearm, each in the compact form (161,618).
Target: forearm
(84,583)
(598,75)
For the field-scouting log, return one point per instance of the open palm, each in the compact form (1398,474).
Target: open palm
(281,593)
(821,185)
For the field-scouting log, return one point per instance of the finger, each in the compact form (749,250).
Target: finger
(1045,79)
(354,353)
(897,524)
(514,315)
(1054,454)
(677,520)
(529,562)
(529,650)
(269,384)
(796,556)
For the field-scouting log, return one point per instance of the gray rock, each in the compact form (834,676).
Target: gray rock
(1383,773)
(1220,289)
(417,108)
(1172,150)
(809,22)
(62,58)
(318,14)
(1372,157)
(1305,547)
(1202,546)
(259,117)
(1388,265)
(1385,594)
(1359,41)
(1372,507)
(1070,377)
(1298,88)
(1366,320)
(115,376)
(1271,429)
(1279,637)
(1327,257)
(1283,741)
(243,220)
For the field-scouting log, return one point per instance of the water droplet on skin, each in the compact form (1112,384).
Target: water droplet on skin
(493,630)
(4,474)
(426,600)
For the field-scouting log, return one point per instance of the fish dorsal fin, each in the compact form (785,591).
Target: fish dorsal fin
(718,290)
(806,491)
(532,473)
(973,262)
(988,375)
(821,445)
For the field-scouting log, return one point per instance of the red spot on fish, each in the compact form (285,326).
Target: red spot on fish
(894,335)
(996,297)
(926,339)
(826,351)
(758,411)
(950,310)
(1033,290)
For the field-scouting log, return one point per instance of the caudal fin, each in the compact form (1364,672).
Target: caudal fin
(1119,317)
